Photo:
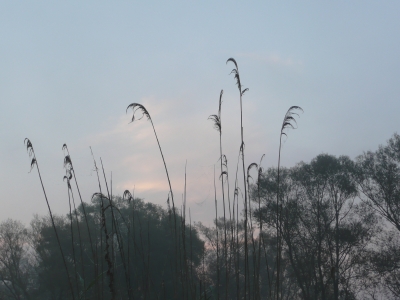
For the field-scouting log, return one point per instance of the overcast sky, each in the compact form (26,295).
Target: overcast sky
(68,70)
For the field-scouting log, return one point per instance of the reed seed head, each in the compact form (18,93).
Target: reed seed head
(29,147)
(67,178)
(222,174)
(236,73)
(217,122)
(31,153)
(224,161)
(260,168)
(68,162)
(101,195)
(241,147)
(252,165)
(33,163)
(217,118)
(138,107)
(220,103)
(127,195)
(237,190)
(289,120)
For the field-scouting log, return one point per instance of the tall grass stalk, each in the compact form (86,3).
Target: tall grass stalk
(259,175)
(135,107)
(183,229)
(252,165)
(191,256)
(116,229)
(218,126)
(231,222)
(31,153)
(72,233)
(68,166)
(138,107)
(216,227)
(287,123)
(79,236)
(235,71)
(127,195)
(68,178)
(110,269)
(237,248)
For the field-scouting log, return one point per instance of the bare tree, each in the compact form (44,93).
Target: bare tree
(14,266)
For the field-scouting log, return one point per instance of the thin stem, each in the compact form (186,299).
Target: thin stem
(216,227)
(52,220)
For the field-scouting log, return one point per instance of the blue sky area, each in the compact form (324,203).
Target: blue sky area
(68,70)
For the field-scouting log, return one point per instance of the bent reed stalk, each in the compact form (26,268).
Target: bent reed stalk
(139,107)
(287,123)
(135,107)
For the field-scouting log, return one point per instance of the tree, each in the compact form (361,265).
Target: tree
(322,229)
(379,177)
(141,250)
(14,261)
(379,183)
(208,270)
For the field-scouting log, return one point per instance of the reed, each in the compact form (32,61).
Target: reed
(289,121)
(236,74)
(138,107)
(72,232)
(71,172)
(218,126)
(110,269)
(251,166)
(68,178)
(231,222)
(128,196)
(216,227)
(259,175)
(115,229)
(34,162)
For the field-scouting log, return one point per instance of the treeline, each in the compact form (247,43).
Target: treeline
(334,233)
(337,233)
(138,254)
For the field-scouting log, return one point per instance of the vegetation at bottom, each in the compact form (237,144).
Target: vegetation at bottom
(324,229)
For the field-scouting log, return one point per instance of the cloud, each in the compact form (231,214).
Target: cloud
(131,152)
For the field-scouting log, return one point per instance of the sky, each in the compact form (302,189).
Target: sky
(68,71)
